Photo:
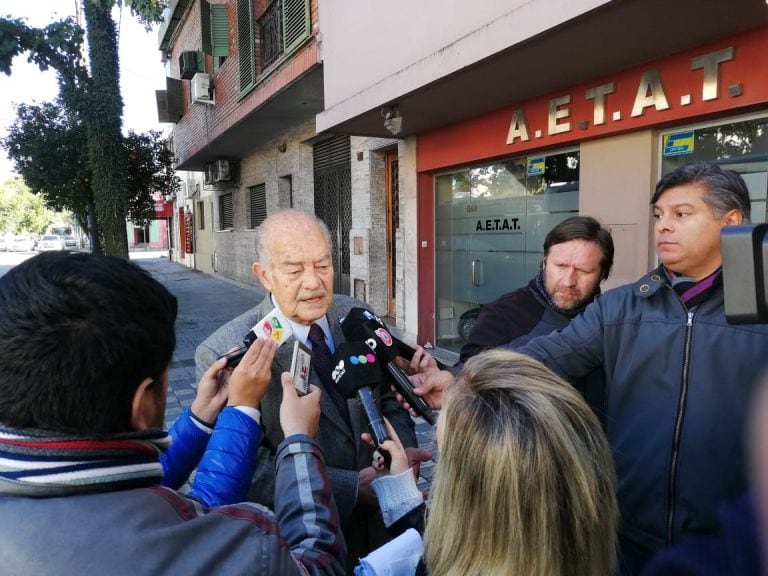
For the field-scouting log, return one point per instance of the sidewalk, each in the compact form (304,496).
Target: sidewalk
(205,303)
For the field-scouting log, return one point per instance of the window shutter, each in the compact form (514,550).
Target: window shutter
(226,219)
(175,99)
(205,25)
(258,204)
(245,48)
(219,30)
(295,23)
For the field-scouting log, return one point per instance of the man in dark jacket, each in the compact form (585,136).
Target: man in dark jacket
(87,342)
(578,256)
(678,376)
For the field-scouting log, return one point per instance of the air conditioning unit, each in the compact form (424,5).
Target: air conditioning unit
(209,174)
(189,64)
(202,89)
(223,171)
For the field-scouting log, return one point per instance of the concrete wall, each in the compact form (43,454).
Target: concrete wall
(235,250)
(397,46)
(202,210)
(618,175)
(369,219)
(408,248)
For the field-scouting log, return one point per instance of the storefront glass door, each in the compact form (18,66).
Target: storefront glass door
(490,224)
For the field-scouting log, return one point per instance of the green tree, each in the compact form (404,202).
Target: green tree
(48,147)
(23,211)
(95,98)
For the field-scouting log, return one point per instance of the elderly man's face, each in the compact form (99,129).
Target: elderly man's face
(300,272)
(572,272)
(687,233)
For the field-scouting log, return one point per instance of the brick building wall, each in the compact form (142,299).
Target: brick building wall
(201,124)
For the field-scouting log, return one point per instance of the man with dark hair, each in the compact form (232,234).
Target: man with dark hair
(86,345)
(578,256)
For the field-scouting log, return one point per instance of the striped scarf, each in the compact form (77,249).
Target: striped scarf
(43,463)
(691,291)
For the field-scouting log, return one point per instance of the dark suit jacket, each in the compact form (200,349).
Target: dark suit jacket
(345,453)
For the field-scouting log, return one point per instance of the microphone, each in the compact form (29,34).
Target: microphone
(361,325)
(355,371)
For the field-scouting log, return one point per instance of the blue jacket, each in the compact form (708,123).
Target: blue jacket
(736,549)
(225,459)
(678,386)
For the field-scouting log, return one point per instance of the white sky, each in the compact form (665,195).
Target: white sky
(141,70)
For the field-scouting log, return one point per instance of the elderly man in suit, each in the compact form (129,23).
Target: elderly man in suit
(295,265)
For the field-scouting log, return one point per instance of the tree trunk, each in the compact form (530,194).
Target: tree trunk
(103,118)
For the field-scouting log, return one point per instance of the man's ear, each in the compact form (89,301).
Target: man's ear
(262,274)
(734,217)
(144,405)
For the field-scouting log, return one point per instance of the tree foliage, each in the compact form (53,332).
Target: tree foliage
(48,147)
(23,211)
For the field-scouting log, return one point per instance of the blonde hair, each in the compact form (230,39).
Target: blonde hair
(525,483)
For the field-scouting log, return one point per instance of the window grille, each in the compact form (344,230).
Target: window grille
(257,204)
(226,221)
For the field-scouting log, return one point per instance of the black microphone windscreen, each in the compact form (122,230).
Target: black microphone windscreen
(361,325)
(354,321)
(354,366)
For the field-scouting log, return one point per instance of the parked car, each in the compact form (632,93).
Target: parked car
(70,242)
(21,244)
(3,244)
(50,242)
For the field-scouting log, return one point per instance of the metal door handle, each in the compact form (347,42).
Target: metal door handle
(476,272)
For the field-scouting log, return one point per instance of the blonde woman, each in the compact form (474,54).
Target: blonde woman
(524,484)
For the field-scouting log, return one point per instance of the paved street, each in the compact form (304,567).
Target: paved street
(205,303)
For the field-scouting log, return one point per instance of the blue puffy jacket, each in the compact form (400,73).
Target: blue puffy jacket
(678,387)
(225,460)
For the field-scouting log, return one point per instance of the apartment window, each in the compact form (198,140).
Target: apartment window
(257,204)
(263,41)
(200,215)
(226,221)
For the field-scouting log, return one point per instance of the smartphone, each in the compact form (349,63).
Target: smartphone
(301,363)
(273,326)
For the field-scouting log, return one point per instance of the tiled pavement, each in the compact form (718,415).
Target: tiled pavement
(205,303)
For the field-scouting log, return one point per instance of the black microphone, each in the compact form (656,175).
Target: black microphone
(355,371)
(362,315)
(361,325)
